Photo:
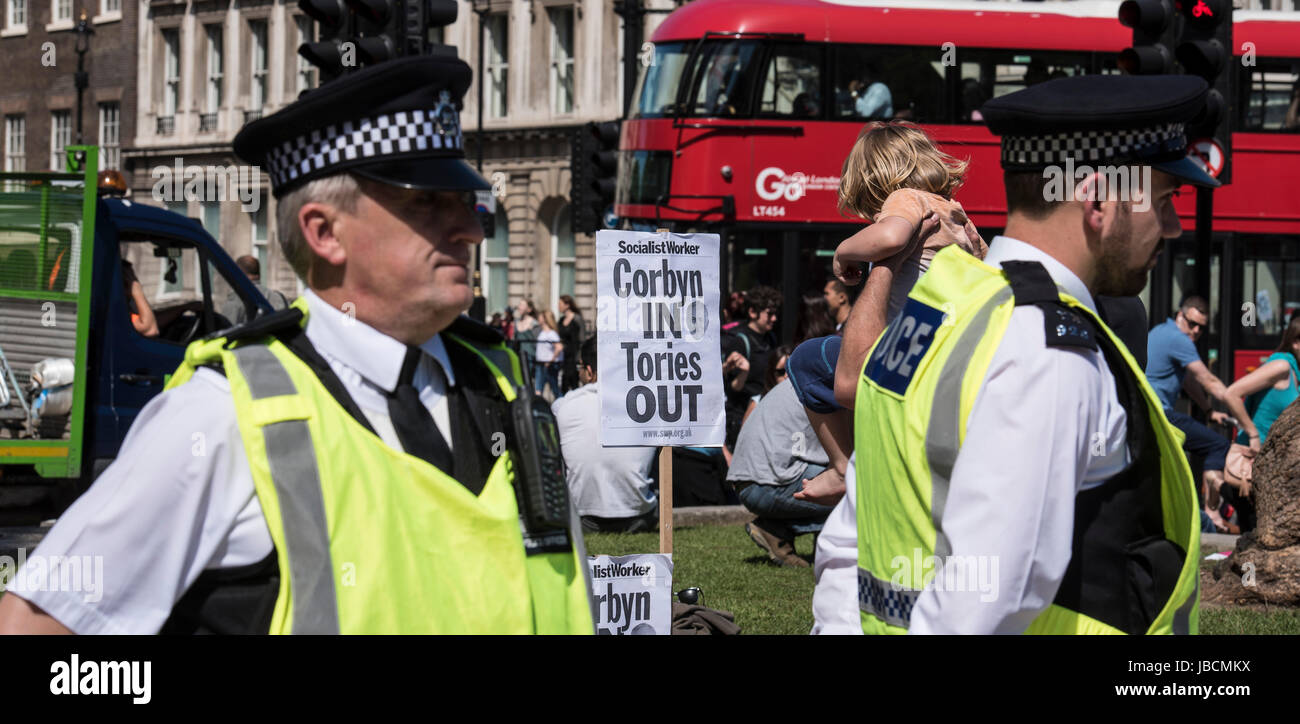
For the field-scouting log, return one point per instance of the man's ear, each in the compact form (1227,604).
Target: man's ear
(320,225)
(1091,192)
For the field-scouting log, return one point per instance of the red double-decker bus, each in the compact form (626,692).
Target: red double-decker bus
(744,115)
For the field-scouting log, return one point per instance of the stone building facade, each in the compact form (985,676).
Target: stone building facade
(206,67)
(550,66)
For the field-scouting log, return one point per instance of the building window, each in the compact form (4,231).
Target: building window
(60,137)
(171,80)
(62,11)
(306,72)
(564,253)
(260,248)
(15,143)
(561,59)
(212,219)
(17,15)
(110,7)
(110,151)
(496,264)
(216,64)
(498,52)
(257,90)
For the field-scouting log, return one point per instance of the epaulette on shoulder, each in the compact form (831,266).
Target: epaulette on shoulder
(273,324)
(1067,327)
(475,331)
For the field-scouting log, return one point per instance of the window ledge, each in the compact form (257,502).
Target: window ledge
(13,32)
(58,25)
(112,17)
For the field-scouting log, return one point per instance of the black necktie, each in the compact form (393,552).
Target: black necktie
(411,419)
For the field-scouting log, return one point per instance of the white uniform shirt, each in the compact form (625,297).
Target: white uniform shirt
(835,566)
(608,482)
(179,499)
(1046,424)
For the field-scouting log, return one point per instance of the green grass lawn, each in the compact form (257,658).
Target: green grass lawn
(734,575)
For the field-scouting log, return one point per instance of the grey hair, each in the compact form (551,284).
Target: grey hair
(340,190)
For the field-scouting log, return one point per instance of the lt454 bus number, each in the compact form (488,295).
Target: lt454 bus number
(769,211)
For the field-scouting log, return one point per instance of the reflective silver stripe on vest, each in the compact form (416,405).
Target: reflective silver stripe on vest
(266,376)
(1182,617)
(292,459)
(942,440)
(884,600)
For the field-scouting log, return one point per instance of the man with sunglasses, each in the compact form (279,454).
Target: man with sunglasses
(1172,350)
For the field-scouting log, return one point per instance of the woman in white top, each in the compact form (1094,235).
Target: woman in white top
(550,353)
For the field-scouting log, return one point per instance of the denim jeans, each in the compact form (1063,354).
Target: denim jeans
(779,513)
(546,373)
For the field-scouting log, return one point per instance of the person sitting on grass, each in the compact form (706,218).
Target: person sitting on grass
(610,486)
(775,451)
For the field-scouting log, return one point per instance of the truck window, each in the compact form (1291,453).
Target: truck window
(181,288)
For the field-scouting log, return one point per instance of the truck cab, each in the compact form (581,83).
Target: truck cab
(80,274)
(187,279)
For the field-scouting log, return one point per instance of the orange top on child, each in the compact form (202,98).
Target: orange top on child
(897,177)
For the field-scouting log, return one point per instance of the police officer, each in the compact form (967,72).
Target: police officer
(1015,472)
(298,474)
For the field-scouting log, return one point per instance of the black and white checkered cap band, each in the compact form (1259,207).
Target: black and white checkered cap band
(1122,146)
(392,134)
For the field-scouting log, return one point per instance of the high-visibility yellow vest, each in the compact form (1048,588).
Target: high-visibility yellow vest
(1136,538)
(372,540)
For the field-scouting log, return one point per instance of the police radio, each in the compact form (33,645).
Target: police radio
(540,486)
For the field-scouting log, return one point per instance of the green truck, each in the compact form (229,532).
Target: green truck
(77,361)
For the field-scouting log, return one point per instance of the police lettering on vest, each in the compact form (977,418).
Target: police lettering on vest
(895,359)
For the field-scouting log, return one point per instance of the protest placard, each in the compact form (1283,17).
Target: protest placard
(660,366)
(633,595)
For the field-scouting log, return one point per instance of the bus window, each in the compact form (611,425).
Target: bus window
(792,82)
(989,73)
(657,88)
(1273,286)
(875,82)
(1272,96)
(724,79)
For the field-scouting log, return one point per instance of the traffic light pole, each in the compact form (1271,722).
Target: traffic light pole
(633,13)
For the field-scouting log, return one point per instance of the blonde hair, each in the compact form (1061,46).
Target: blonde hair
(894,155)
(547,319)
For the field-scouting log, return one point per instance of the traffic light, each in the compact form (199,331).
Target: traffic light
(1205,49)
(365,32)
(335,23)
(1153,35)
(374,36)
(593,172)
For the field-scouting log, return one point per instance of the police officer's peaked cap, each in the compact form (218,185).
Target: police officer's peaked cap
(396,122)
(1101,120)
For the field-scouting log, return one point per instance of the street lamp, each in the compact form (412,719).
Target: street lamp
(481,9)
(84,32)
